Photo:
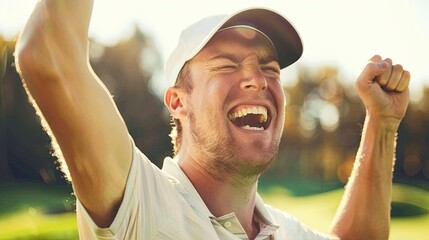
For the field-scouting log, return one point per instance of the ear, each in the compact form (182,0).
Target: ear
(175,99)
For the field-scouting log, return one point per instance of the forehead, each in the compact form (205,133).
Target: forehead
(241,38)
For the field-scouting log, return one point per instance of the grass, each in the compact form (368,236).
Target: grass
(410,206)
(35,211)
(33,224)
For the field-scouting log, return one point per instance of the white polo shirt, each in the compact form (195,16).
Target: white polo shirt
(163,204)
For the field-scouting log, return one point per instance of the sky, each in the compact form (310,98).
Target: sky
(338,32)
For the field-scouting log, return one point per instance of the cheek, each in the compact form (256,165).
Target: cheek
(206,102)
(278,94)
(282,101)
(217,91)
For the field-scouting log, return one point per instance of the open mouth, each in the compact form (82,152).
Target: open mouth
(250,118)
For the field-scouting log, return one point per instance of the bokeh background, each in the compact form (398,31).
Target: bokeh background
(130,41)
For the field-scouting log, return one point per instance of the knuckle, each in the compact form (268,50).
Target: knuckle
(376,58)
(406,75)
(372,66)
(389,60)
(398,68)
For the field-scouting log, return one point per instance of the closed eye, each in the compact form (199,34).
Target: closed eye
(227,67)
(271,70)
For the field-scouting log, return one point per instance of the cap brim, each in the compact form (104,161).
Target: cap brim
(285,38)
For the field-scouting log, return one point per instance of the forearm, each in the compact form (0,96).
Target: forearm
(364,212)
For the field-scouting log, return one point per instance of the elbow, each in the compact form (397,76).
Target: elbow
(31,46)
(27,58)
(24,58)
(33,61)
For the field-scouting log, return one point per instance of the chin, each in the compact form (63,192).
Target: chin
(260,154)
(255,165)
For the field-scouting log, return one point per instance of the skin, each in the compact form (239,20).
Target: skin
(52,58)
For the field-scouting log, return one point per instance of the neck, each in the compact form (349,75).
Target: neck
(232,193)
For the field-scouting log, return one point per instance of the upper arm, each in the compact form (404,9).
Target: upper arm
(53,62)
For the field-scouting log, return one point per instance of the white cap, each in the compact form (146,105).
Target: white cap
(276,27)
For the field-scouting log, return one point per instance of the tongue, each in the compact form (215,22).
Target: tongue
(251,120)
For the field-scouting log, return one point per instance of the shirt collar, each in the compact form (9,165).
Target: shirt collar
(185,187)
(188,191)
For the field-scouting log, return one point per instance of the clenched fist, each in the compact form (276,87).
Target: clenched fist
(383,88)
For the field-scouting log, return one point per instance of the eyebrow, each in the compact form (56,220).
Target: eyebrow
(227,56)
(236,59)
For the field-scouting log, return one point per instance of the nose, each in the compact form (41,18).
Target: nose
(254,79)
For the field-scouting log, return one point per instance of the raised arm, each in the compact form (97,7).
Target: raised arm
(364,212)
(52,59)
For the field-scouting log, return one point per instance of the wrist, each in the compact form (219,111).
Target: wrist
(387,123)
(378,146)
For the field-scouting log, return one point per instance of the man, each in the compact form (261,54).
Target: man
(228,105)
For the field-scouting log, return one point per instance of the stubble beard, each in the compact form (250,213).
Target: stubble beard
(223,157)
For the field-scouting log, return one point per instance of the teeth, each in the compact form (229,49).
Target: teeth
(247,127)
(242,113)
(250,110)
(255,110)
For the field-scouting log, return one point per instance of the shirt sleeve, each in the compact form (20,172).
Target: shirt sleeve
(143,209)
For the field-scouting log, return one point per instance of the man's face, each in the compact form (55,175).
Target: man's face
(236,107)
